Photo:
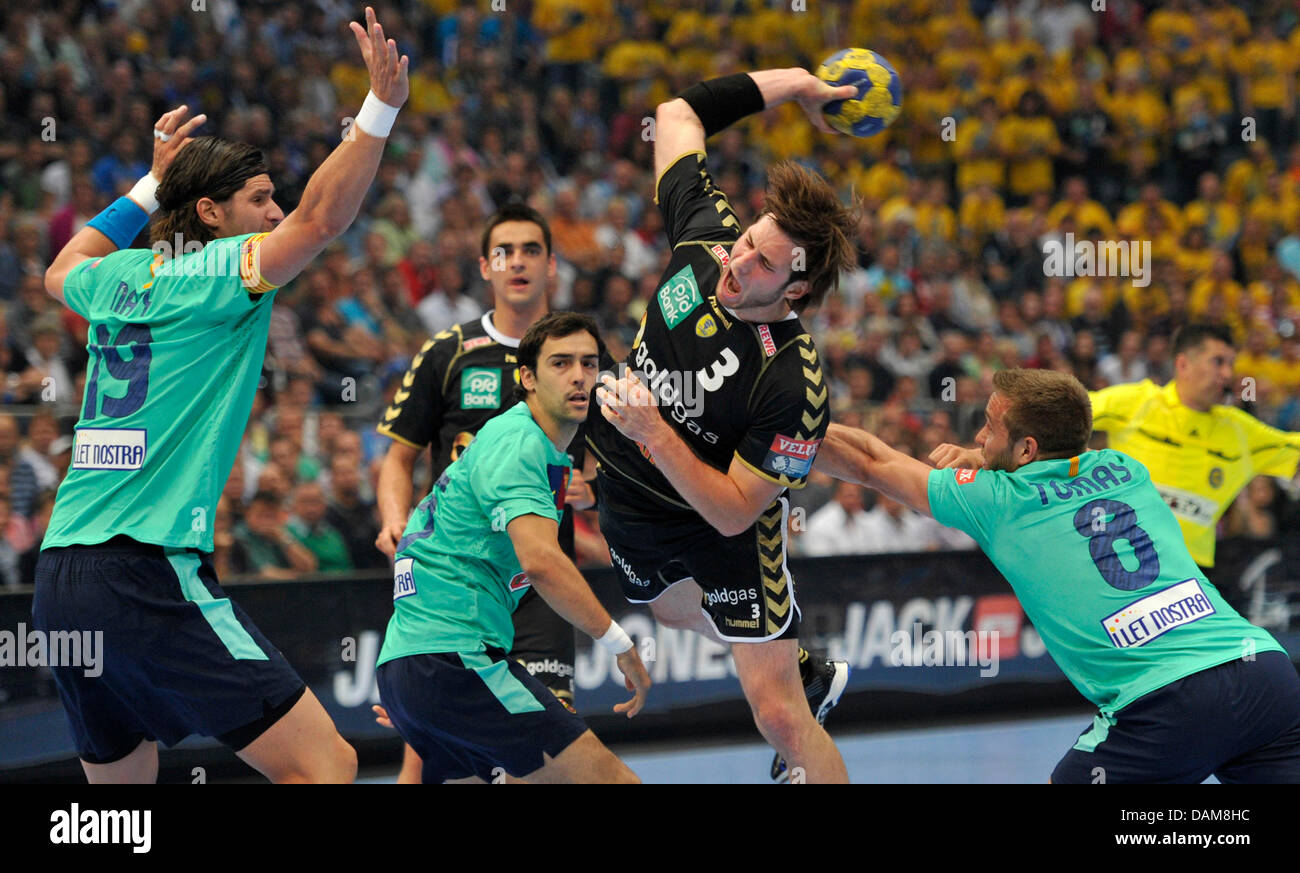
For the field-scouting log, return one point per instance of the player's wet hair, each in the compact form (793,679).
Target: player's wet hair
(515,211)
(207,167)
(1192,336)
(552,325)
(1050,406)
(808,211)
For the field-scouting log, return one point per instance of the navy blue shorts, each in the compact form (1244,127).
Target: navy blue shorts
(546,645)
(1239,721)
(474,714)
(178,657)
(748,591)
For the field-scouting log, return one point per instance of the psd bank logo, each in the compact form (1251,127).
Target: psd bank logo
(480,388)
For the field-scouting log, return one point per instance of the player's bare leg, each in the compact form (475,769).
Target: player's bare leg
(679,607)
(303,746)
(141,766)
(585,760)
(412,767)
(769,675)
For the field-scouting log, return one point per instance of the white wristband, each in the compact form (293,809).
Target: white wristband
(145,193)
(376,117)
(616,639)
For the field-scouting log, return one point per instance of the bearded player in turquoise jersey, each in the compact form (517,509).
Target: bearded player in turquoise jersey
(485,534)
(176,347)
(1185,686)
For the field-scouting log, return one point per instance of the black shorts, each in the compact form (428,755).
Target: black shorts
(546,645)
(748,591)
(474,714)
(178,657)
(1239,721)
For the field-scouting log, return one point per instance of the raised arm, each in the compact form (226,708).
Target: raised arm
(683,123)
(334,193)
(116,226)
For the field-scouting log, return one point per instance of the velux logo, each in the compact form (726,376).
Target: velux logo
(798,448)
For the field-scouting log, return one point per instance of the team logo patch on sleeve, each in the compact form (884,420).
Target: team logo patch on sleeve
(707,326)
(519,580)
(790,457)
(965,477)
(765,334)
(480,388)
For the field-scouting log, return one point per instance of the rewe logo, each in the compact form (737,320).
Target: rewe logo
(132,827)
(1106,258)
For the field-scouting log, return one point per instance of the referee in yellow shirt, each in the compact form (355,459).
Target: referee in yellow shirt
(1200,452)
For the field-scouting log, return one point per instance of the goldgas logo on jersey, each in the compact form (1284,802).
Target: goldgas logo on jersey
(558,478)
(790,457)
(965,477)
(721,254)
(765,334)
(706,327)
(480,388)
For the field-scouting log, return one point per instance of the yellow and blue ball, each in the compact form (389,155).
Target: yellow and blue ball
(880,92)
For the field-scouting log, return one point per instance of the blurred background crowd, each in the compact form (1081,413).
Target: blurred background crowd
(1024,121)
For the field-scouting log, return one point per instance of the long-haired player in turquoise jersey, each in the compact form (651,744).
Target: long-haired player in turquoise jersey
(1185,687)
(176,347)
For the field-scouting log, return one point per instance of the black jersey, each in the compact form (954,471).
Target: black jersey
(460,379)
(730,388)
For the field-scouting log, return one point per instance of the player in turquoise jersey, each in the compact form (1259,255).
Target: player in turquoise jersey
(484,535)
(1185,686)
(176,341)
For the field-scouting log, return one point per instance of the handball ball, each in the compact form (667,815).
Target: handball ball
(880,92)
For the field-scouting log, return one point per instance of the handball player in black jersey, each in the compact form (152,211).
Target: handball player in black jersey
(720,408)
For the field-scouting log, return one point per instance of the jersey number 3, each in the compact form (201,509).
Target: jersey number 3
(1105,521)
(134,371)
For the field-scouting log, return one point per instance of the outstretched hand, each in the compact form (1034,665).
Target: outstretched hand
(947,455)
(814,94)
(387,72)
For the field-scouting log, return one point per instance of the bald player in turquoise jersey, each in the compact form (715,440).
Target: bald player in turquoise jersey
(1185,687)
(176,346)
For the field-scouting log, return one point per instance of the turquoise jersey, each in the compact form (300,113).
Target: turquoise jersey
(1100,566)
(457,580)
(176,352)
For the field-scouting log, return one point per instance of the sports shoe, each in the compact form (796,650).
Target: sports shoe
(823,682)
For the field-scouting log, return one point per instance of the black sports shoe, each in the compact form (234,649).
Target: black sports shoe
(823,682)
